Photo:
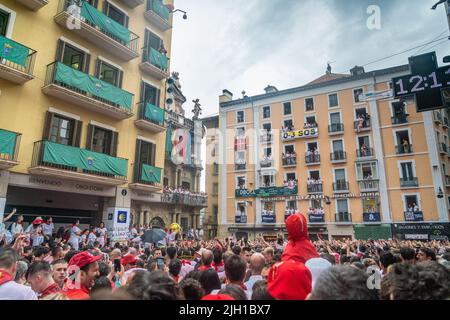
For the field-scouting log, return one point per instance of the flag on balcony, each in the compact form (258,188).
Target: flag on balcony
(160,9)
(7,143)
(158,59)
(154,113)
(150,174)
(13,51)
(105,23)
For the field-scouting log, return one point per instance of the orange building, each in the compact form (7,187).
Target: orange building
(356,166)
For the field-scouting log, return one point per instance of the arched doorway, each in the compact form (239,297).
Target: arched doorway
(157,222)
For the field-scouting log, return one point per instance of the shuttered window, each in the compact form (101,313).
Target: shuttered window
(62,129)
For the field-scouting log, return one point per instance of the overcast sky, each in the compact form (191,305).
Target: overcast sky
(248,44)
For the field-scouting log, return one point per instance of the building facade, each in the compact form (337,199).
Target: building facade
(82,119)
(357,165)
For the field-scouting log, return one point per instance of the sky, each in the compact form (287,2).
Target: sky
(245,45)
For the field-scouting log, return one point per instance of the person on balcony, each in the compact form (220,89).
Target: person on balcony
(364,150)
(361,121)
(406,146)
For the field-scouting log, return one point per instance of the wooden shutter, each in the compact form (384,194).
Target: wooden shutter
(153,154)
(60,50)
(105,7)
(141,97)
(120,78)
(87,62)
(78,127)
(97,68)
(137,162)
(114,143)
(127,21)
(47,125)
(158,97)
(89,137)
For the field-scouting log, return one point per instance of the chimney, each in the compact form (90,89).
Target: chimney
(226,96)
(270,89)
(357,71)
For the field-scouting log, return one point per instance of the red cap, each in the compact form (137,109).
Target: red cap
(289,280)
(83,259)
(217,297)
(38,221)
(128,259)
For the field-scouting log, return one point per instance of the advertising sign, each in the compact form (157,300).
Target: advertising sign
(305,133)
(421,231)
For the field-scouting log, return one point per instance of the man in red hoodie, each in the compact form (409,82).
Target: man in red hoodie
(299,248)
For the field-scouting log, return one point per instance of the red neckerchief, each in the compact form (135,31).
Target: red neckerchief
(5,276)
(204,268)
(217,266)
(54,288)
(176,278)
(185,262)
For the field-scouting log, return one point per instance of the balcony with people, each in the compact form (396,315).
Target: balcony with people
(404,145)
(16,61)
(413,212)
(158,14)
(364,151)
(314,184)
(362,122)
(289,159)
(316,215)
(312,156)
(155,61)
(399,113)
(182,196)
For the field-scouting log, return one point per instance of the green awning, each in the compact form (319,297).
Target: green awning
(375,232)
(97,87)
(150,174)
(158,59)
(160,9)
(105,23)
(7,143)
(56,153)
(13,51)
(154,113)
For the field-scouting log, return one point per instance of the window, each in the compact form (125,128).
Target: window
(316,203)
(288,124)
(184,223)
(289,149)
(312,146)
(287,108)
(338,146)
(309,104)
(239,158)
(240,132)
(108,73)
(291,176)
(240,116)
(364,147)
(342,205)
(74,58)
(333,100)
(399,113)
(267,127)
(403,142)
(241,209)
(367,171)
(291,204)
(339,175)
(407,171)
(215,188)
(166,182)
(267,152)
(370,205)
(444,169)
(216,168)
(411,201)
(150,94)
(335,118)
(101,140)
(115,14)
(361,112)
(240,182)
(311,121)
(146,152)
(62,130)
(356,94)
(315,175)
(267,180)
(151,40)
(4,19)
(266,112)
(186,185)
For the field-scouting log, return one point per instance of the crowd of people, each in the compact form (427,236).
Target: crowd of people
(289,158)
(312,155)
(309,125)
(227,269)
(290,184)
(184,196)
(319,212)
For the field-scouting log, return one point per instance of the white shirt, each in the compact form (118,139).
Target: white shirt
(47,229)
(73,234)
(251,281)
(16,228)
(11,290)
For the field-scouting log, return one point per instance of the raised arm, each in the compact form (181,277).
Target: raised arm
(9,215)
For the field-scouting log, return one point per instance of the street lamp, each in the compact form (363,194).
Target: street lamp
(184,13)
(440,194)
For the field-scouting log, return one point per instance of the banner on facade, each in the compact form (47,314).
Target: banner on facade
(305,133)
(421,231)
(181,146)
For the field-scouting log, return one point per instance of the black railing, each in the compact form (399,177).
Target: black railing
(240,166)
(343,217)
(443,148)
(193,200)
(338,156)
(315,188)
(340,185)
(38,161)
(400,119)
(365,124)
(14,155)
(50,79)
(146,58)
(179,120)
(266,163)
(409,182)
(142,116)
(132,45)
(266,137)
(363,153)
(289,161)
(404,149)
(28,68)
(335,127)
(366,185)
(137,176)
(313,158)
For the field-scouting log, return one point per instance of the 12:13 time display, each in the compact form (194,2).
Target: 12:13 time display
(412,84)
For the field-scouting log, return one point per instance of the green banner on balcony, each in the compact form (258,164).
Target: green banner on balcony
(160,9)
(56,153)
(7,143)
(105,23)
(373,232)
(13,51)
(150,174)
(154,113)
(97,87)
(158,59)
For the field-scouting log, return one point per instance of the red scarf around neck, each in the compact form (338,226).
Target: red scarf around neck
(5,276)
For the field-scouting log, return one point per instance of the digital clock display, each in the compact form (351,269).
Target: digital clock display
(414,84)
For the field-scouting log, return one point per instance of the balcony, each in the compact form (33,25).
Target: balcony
(400,119)
(276,191)
(343,218)
(179,120)
(443,148)
(315,188)
(437,117)
(336,128)
(371,217)
(312,159)
(240,218)
(146,178)
(406,149)
(86,91)
(16,61)
(9,148)
(338,156)
(240,166)
(150,118)
(268,217)
(34,5)
(99,29)
(266,163)
(155,63)
(368,185)
(413,215)
(447,181)
(364,126)
(364,153)
(191,199)
(266,137)
(316,218)
(340,186)
(409,182)
(67,162)
(289,161)
(133,3)
(158,14)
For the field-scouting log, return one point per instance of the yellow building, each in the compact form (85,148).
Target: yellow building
(356,166)
(82,129)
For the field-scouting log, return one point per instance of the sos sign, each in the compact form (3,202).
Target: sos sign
(305,133)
